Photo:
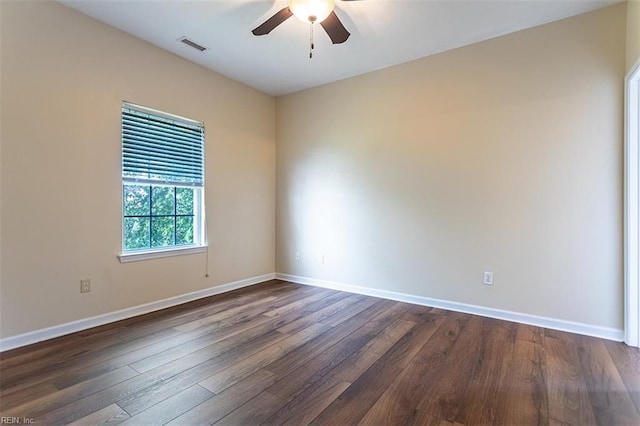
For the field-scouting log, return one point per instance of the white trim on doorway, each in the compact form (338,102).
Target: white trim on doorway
(632,208)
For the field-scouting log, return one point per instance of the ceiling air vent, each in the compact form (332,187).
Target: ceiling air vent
(192,43)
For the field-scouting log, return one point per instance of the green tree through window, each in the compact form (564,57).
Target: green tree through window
(158,216)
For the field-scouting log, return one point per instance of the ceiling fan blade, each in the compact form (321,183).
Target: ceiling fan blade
(334,28)
(267,26)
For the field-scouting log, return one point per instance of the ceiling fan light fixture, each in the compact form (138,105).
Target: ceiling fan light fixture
(310,11)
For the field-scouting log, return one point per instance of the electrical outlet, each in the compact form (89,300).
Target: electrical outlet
(321,258)
(85,286)
(297,255)
(487,278)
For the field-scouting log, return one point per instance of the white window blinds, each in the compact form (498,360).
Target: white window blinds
(161,149)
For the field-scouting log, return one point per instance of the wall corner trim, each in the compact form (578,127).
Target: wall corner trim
(632,206)
(36,336)
(539,321)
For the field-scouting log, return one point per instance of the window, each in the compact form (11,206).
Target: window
(162,184)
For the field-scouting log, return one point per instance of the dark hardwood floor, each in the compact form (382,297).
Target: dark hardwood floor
(280,353)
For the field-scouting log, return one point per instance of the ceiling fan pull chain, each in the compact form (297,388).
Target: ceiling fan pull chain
(311,41)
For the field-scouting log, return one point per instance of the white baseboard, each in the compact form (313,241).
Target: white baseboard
(552,323)
(83,324)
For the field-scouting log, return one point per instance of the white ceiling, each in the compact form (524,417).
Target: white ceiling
(383,33)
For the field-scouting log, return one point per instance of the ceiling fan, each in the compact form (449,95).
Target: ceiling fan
(309,11)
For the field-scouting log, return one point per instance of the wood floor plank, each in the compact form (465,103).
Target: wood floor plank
(530,333)
(444,395)
(305,407)
(76,373)
(281,299)
(37,407)
(170,408)
(484,395)
(253,411)
(163,381)
(223,360)
(609,398)
(226,401)
(293,381)
(307,353)
(57,346)
(297,371)
(100,361)
(171,354)
(217,317)
(195,345)
(419,313)
(109,415)
(321,314)
(566,389)
(395,310)
(225,378)
(398,403)
(282,353)
(305,302)
(20,396)
(323,347)
(354,310)
(19,365)
(420,418)
(157,321)
(175,316)
(147,324)
(356,364)
(627,361)
(525,390)
(411,343)
(20,376)
(355,401)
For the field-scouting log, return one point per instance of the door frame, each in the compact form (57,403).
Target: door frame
(632,207)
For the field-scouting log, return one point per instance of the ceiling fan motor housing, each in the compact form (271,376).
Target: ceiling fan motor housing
(308,11)
(311,11)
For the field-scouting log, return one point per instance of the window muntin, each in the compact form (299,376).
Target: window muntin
(163,181)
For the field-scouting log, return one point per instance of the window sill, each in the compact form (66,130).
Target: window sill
(156,254)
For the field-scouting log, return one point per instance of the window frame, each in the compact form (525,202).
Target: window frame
(200,244)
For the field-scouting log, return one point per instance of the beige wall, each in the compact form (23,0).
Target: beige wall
(633,32)
(503,156)
(63,79)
